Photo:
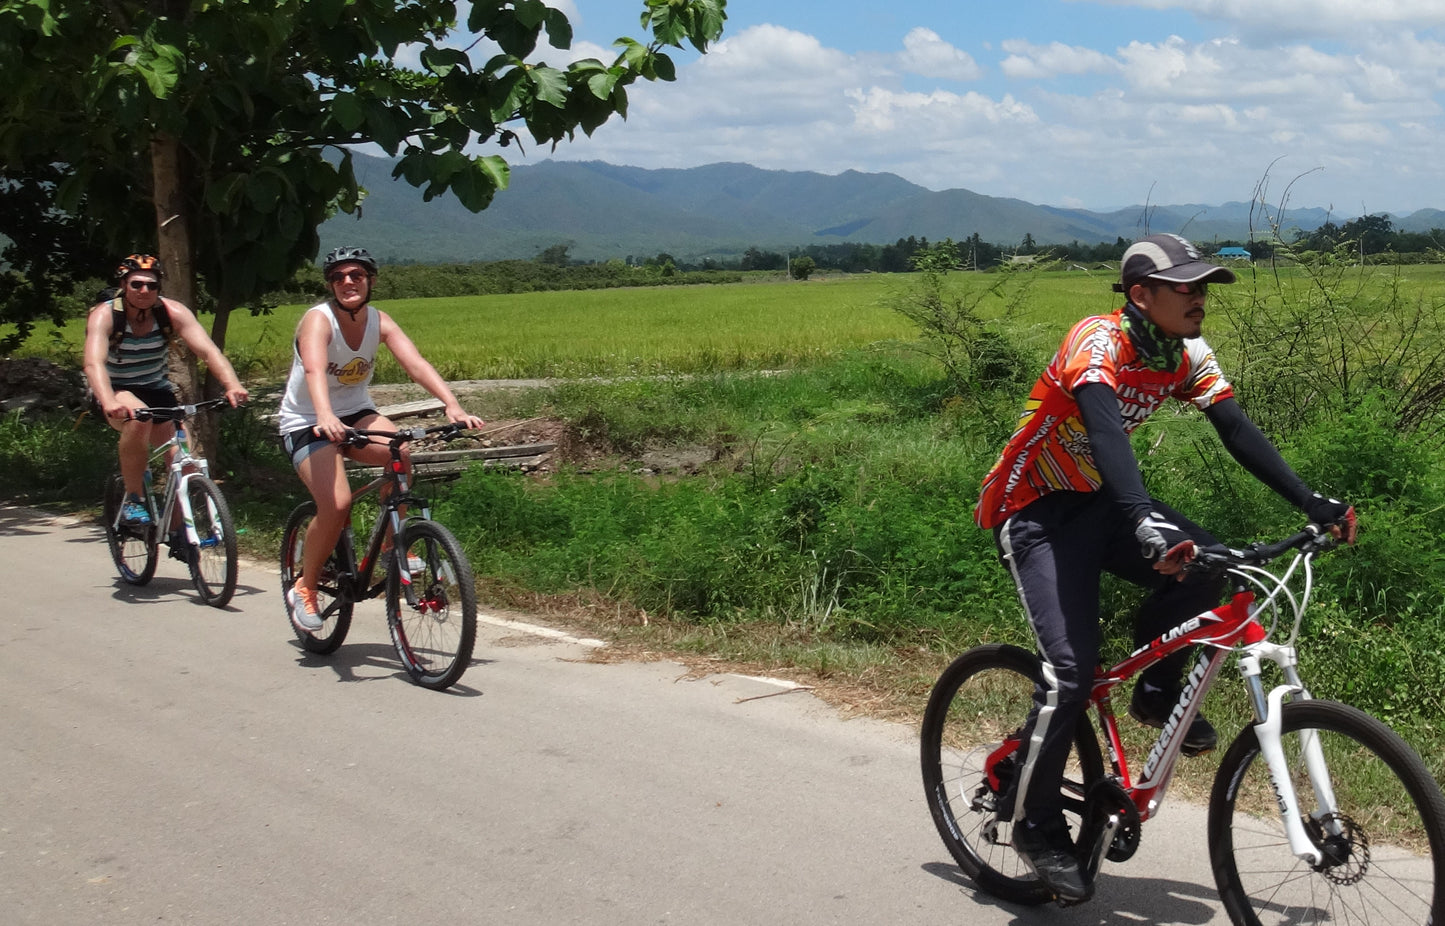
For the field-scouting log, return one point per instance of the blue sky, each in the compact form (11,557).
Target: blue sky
(1092,103)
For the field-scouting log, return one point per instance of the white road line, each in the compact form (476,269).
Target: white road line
(537,630)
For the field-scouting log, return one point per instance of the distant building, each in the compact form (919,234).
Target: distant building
(1233,253)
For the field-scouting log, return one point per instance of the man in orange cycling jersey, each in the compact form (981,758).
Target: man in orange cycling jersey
(1066,502)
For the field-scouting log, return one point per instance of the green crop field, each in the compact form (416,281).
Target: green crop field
(693,329)
(684,329)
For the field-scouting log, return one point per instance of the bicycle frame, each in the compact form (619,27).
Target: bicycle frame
(1232,628)
(361,586)
(358,585)
(181,467)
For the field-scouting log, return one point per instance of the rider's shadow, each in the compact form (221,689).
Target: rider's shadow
(353,662)
(1117,899)
(166,588)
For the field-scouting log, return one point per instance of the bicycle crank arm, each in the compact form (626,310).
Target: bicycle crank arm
(1089,864)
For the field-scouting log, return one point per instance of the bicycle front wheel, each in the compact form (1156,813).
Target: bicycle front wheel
(434,623)
(212,560)
(1382,836)
(972,729)
(334,604)
(135,548)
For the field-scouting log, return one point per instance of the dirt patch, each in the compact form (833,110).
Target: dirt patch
(31,382)
(570,449)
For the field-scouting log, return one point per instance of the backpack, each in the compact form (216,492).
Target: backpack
(117,321)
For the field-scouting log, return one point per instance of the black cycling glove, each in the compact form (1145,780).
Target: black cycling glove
(1157,535)
(1325,511)
(1334,514)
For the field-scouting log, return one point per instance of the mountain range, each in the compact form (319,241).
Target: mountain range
(603,211)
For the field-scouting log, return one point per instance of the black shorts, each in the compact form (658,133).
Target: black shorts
(301,443)
(152,396)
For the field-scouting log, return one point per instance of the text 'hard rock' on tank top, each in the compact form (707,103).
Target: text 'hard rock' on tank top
(348,373)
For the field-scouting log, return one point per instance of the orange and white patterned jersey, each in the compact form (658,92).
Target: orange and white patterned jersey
(1050,449)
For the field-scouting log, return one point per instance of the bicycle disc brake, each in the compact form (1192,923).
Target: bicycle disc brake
(1345,845)
(1111,826)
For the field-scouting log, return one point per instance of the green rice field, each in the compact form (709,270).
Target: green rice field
(682,329)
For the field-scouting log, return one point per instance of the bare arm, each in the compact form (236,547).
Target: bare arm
(422,372)
(194,336)
(97,346)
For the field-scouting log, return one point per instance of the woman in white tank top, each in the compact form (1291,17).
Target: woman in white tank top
(326,393)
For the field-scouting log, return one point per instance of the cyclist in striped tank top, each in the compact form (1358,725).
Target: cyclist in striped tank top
(127,366)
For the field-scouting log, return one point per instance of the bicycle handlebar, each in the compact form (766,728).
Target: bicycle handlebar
(360,437)
(1314,538)
(177,413)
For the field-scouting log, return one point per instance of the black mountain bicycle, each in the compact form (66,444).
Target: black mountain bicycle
(431,596)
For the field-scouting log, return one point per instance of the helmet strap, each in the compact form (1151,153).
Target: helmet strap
(351,312)
(141,312)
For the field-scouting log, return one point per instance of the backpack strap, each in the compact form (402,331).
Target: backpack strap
(117,321)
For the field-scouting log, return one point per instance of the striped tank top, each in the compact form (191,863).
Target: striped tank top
(139,360)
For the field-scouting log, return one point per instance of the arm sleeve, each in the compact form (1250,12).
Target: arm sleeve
(1252,449)
(1109,446)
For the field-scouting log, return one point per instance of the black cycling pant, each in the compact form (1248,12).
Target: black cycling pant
(1057,549)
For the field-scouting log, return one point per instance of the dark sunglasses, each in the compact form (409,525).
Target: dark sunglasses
(139,285)
(348,276)
(1186,289)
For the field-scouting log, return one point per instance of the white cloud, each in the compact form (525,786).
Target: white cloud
(1029,61)
(927,55)
(1266,19)
(1199,120)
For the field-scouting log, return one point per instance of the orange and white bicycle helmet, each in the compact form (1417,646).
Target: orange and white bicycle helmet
(136,263)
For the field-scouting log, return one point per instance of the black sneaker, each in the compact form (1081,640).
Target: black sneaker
(1152,706)
(1049,851)
(178,545)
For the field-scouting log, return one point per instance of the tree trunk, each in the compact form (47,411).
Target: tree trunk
(173,234)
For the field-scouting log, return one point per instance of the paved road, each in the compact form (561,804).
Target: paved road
(165,762)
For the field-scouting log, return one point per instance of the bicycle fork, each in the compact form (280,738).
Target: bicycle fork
(1268,729)
(181,499)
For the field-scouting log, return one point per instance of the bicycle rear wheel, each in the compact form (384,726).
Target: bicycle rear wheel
(133,547)
(334,604)
(971,730)
(212,561)
(1384,841)
(433,633)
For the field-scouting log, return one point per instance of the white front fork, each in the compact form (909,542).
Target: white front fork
(1268,731)
(181,498)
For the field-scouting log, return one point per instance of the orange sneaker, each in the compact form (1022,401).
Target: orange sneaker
(302,606)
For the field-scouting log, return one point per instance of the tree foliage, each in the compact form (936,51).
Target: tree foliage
(248,97)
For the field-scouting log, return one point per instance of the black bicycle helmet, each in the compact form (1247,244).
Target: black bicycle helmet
(136,263)
(348,255)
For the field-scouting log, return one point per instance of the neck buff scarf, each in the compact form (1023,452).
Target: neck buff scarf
(1157,350)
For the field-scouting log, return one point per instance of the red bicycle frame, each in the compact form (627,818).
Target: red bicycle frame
(1218,631)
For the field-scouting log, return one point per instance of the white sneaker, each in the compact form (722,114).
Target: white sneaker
(301,605)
